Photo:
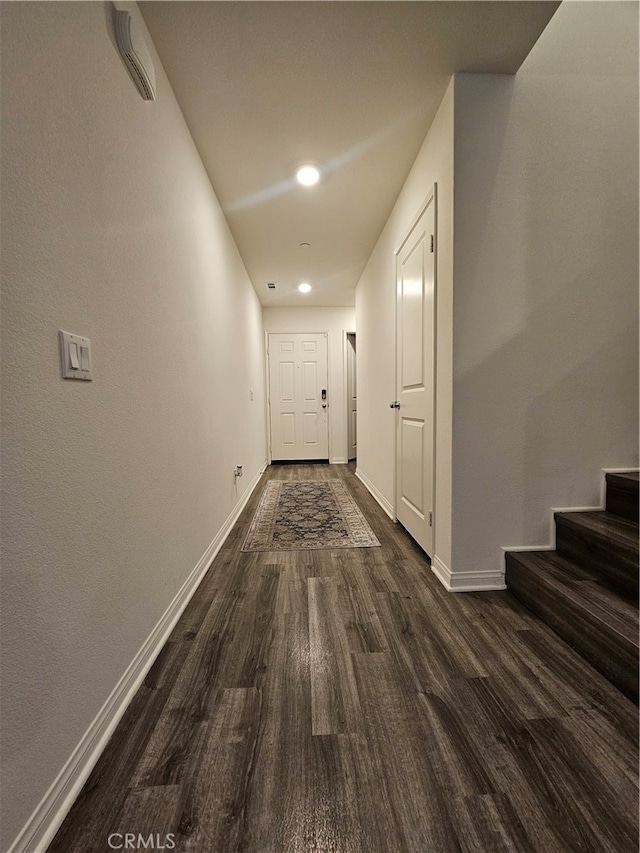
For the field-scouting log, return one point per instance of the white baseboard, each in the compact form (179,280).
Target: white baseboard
(551,544)
(338,460)
(527,548)
(378,496)
(466,581)
(47,818)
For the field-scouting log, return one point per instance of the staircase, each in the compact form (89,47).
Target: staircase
(587,589)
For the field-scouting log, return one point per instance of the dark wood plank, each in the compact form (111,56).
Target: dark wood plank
(214,806)
(411,798)
(431,650)
(579,688)
(358,609)
(150,814)
(451,750)
(489,822)
(493,724)
(292,590)
(570,791)
(335,705)
(282,790)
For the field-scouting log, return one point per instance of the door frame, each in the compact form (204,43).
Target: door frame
(267,382)
(345,383)
(431,198)
(267,396)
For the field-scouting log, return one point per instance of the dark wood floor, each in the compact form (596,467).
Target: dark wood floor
(339,701)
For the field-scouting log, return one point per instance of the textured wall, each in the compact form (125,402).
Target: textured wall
(335,321)
(546,281)
(111,490)
(375,320)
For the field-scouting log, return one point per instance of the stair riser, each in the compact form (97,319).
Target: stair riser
(615,565)
(606,651)
(622,501)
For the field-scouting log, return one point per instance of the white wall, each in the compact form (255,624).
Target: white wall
(112,490)
(375,320)
(335,321)
(546,281)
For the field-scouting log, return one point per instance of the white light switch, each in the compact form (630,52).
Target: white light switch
(85,362)
(74,364)
(75,356)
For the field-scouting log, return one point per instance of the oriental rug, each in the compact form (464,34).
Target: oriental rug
(305,515)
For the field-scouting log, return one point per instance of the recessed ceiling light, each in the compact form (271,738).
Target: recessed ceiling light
(304,287)
(308,175)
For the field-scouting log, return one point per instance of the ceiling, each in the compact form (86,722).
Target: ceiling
(350,86)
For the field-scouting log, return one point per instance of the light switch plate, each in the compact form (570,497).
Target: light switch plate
(75,356)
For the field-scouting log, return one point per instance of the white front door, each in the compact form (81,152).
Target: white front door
(298,396)
(415,360)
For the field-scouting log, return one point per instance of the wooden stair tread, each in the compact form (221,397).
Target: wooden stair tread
(620,534)
(628,479)
(568,580)
(605,524)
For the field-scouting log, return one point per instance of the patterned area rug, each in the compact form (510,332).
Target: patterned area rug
(305,515)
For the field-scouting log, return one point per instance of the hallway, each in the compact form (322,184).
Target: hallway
(439,722)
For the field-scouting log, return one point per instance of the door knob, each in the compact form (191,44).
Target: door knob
(394,405)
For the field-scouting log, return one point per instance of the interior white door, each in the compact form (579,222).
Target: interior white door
(415,397)
(352,398)
(298,396)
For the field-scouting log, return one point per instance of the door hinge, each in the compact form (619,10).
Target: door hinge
(432,242)
(430,519)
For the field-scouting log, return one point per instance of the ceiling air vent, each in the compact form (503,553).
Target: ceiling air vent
(271,285)
(136,55)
